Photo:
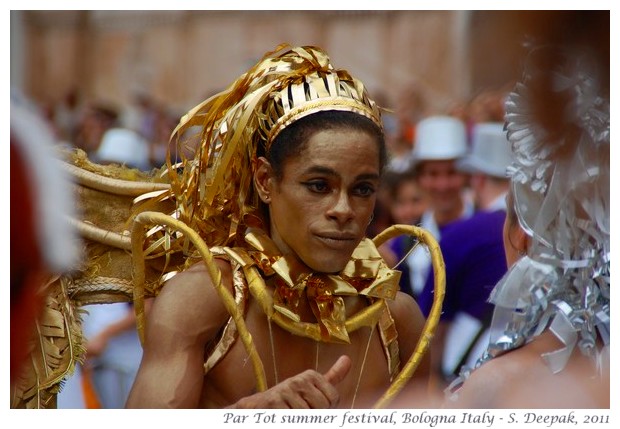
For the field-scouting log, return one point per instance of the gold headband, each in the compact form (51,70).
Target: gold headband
(214,190)
(317,93)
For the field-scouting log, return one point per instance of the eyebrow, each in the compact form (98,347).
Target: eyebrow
(318,169)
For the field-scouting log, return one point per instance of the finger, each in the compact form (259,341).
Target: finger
(339,370)
(320,395)
(297,402)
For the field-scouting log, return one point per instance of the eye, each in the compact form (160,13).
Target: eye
(364,190)
(317,186)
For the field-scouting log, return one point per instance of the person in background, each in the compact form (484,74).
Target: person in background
(440,142)
(142,115)
(550,339)
(161,144)
(113,354)
(96,120)
(123,146)
(407,204)
(474,258)
(67,116)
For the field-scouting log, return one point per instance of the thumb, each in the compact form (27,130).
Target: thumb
(339,370)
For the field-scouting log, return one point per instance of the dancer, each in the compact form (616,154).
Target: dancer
(282,190)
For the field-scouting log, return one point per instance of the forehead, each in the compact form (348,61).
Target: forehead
(342,146)
(437,166)
(408,186)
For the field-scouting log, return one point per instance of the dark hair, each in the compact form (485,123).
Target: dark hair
(106,114)
(293,139)
(394,180)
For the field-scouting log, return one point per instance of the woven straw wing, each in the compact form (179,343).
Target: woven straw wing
(106,204)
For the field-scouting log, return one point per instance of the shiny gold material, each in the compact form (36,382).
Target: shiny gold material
(426,336)
(218,350)
(386,325)
(323,292)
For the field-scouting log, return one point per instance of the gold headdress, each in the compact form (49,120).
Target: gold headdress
(213,191)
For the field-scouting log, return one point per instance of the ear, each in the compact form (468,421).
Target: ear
(263,179)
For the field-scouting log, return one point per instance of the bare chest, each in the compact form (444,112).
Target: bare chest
(284,355)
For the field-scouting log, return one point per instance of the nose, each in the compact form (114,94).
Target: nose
(341,210)
(444,183)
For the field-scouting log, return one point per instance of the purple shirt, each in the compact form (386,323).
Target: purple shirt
(473,252)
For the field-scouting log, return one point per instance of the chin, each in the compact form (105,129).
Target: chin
(328,265)
(447,207)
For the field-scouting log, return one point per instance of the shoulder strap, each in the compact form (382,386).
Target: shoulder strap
(222,344)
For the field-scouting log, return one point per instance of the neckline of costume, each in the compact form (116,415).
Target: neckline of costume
(365,274)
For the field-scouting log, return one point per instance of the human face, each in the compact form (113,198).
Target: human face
(443,184)
(320,208)
(409,203)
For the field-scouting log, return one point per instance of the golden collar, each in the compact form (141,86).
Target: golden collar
(365,274)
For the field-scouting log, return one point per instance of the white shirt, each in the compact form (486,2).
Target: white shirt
(419,260)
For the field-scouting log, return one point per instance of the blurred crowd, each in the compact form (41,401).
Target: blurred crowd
(81,122)
(136,135)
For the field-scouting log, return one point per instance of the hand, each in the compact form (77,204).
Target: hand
(310,389)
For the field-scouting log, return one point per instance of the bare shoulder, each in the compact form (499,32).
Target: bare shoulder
(406,313)
(195,281)
(489,385)
(409,322)
(184,317)
(522,379)
(189,303)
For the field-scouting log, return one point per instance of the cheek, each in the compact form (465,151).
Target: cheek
(292,213)
(426,182)
(417,209)
(366,206)
(457,182)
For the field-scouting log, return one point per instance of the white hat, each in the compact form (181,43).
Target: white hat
(439,138)
(490,153)
(125,147)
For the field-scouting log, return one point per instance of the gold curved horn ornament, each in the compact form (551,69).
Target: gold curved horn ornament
(428,331)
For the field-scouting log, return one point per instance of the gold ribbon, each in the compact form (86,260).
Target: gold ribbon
(365,274)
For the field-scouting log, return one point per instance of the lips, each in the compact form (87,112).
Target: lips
(337,240)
